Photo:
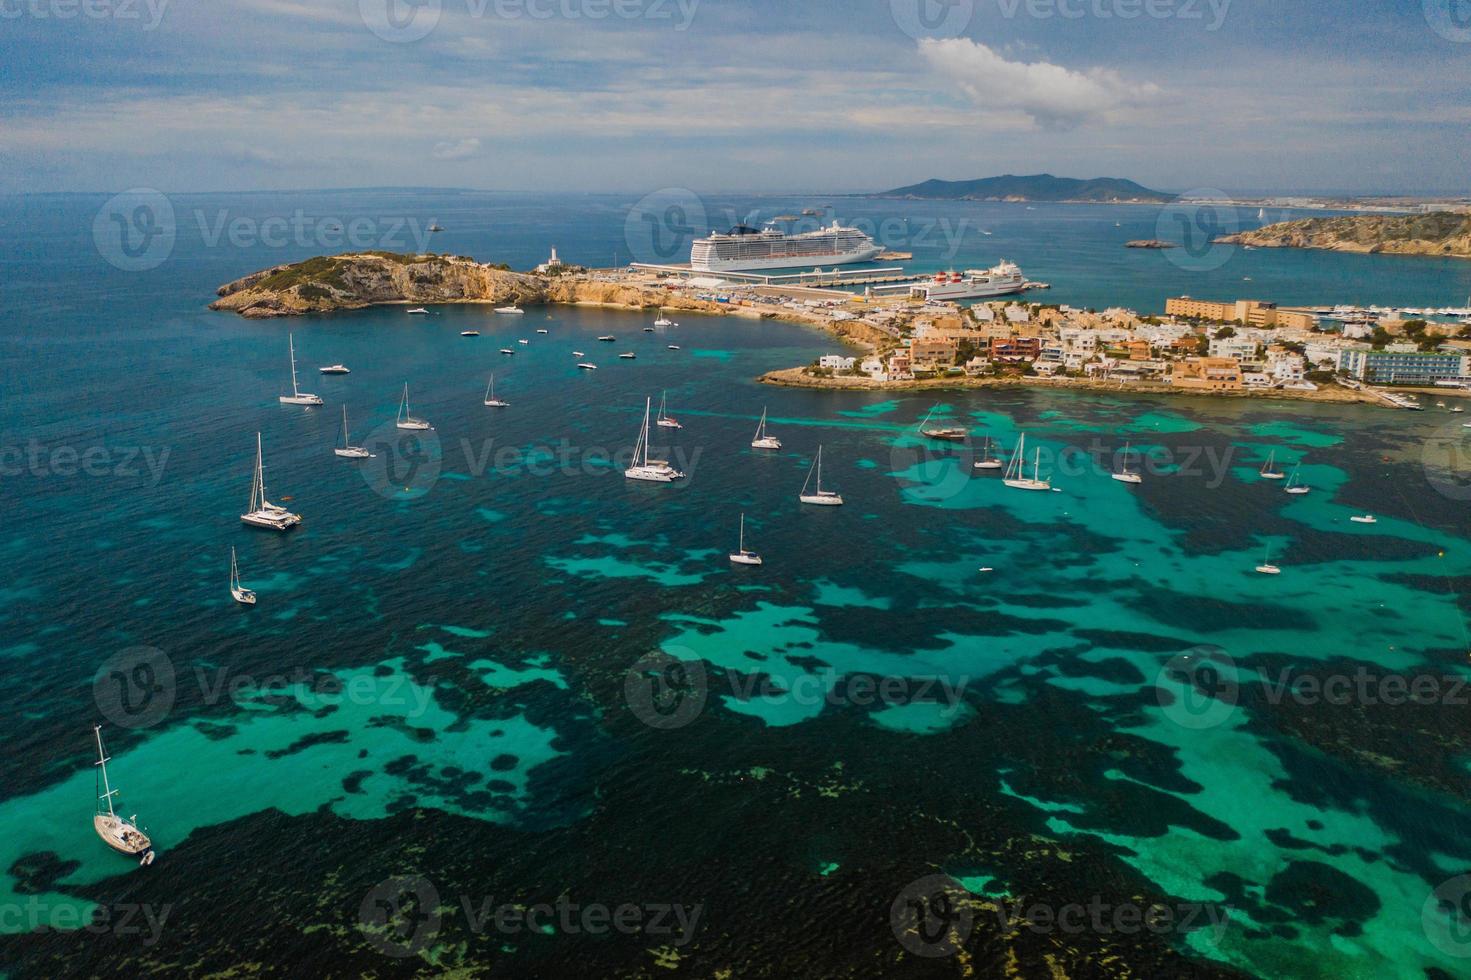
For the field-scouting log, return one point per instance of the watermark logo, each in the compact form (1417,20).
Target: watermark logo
(1451,19)
(1198,688)
(1446,917)
(1119,10)
(400,21)
(932,917)
(661,227)
(1195,222)
(406,463)
(142,463)
(135,231)
(666,691)
(400,917)
(932,19)
(123,920)
(136,687)
(1446,459)
(116,10)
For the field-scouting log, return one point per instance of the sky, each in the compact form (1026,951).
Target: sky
(1366,96)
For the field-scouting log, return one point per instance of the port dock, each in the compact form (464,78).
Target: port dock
(818,279)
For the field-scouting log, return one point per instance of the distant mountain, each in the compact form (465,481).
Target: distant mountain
(1037,187)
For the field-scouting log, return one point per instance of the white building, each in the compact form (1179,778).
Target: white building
(1285,367)
(836,362)
(1236,348)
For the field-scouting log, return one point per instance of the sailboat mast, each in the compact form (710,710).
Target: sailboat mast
(743,534)
(291,346)
(102,761)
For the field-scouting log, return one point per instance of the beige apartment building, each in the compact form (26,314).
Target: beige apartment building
(1207,374)
(1248,312)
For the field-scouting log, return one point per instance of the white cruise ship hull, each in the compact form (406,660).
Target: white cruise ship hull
(971,289)
(800,262)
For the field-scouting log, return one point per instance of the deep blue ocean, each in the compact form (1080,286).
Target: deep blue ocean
(948,726)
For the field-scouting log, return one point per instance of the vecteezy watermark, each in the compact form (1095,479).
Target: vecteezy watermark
(1198,688)
(385,233)
(139,686)
(662,226)
(933,916)
(1446,459)
(403,917)
(65,461)
(1451,19)
(125,920)
(1195,221)
(149,12)
(669,689)
(405,21)
(1446,917)
(933,19)
(1119,10)
(135,231)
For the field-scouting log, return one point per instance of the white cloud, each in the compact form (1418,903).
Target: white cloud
(1052,96)
(456,149)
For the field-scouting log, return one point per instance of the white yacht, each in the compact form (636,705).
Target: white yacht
(508,352)
(665,420)
(741,556)
(1269,470)
(989,460)
(644,468)
(334,369)
(405,419)
(586,366)
(1364,519)
(469,333)
(238,592)
(674,347)
(542,330)
(261,512)
(491,401)
(347,450)
(818,496)
(764,439)
(512,310)
(121,835)
(1126,475)
(628,356)
(1015,476)
(418,311)
(297,396)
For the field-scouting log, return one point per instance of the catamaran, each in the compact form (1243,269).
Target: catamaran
(1266,567)
(764,439)
(741,556)
(347,450)
(819,496)
(1269,472)
(1126,475)
(663,320)
(121,835)
(665,419)
(943,433)
(238,592)
(989,460)
(407,421)
(490,400)
(1293,486)
(297,396)
(261,512)
(644,468)
(1015,477)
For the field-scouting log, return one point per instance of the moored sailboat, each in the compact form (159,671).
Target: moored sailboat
(1293,485)
(988,460)
(491,401)
(741,556)
(297,396)
(406,420)
(1016,477)
(238,592)
(665,419)
(123,836)
(644,468)
(260,511)
(347,450)
(1269,470)
(1124,474)
(818,496)
(764,439)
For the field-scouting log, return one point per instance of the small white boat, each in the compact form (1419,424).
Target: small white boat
(628,356)
(406,420)
(1126,475)
(1266,567)
(1364,519)
(1457,410)
(665,420)
(1269,472)
(261,512)
(297,396)
(644,468)
(607,339)
(989,460)
(1295,487)
(509,310)
(578,353)
(674,347)
(469,333)
(508,352)
(418,311)
(586,366)
(818,496)
(523,343)
(741,556)
(347,450)
(764,439)
(490,400)
(123,836)
(335,369)
(1016,478)
(542,330)
(238,592)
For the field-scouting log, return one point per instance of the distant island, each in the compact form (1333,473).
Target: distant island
(1443,233)
(1037,187)
(1149,243)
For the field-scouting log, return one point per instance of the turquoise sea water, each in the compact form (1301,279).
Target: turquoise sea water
(437,680)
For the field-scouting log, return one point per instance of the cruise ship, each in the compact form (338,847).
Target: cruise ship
(999,280)
(744,248)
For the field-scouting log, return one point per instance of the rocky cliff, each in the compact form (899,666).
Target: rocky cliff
(1437,233)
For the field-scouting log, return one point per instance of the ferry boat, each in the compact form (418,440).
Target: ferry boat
(744,248)
(999,280)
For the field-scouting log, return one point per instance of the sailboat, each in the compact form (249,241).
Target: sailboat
(664,418)
(490,400)
(121,835)
(1295,487)
(1268,471)
(943,433)
(1261,214)
(347,450)
(1126,475)
(407,421)
(261,512)
(1266,567)
(663,320)
(989,460)
(297,396)
(764,439)
(644,468)
(741,556)
(820,497)
(1015,475)
(238,592)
